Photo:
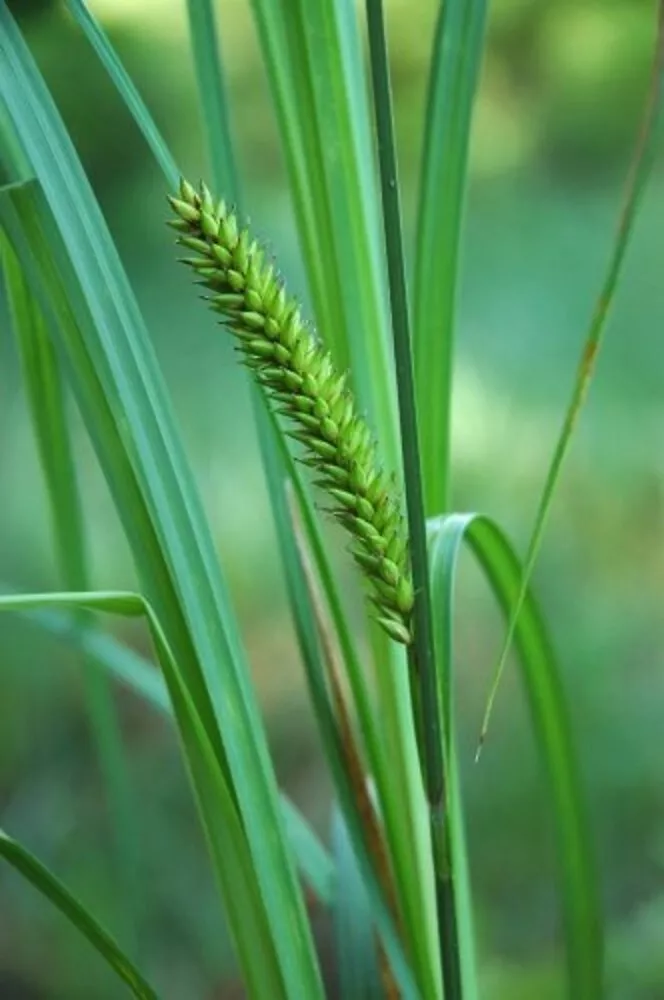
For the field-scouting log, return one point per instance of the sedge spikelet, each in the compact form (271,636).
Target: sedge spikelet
(300,379)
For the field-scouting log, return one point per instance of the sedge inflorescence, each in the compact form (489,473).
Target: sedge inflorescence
(300,379)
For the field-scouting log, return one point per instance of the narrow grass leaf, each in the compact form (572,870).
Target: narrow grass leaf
(52,889)
(44,391)
(455,64)
(421,656)
(354,936)
(127,88)
(581,906)
(642,163)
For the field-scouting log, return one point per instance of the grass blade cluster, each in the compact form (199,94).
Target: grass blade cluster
(391,794)
(43,384)
(398,879)
(106,654)
(202,630)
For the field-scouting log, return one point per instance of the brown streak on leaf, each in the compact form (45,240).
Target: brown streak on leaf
(352,756)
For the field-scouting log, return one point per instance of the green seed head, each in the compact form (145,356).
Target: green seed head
(299,377)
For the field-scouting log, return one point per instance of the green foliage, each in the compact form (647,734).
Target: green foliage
(73,300)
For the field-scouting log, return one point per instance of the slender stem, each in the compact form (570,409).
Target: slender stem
(421,651)
(639,172)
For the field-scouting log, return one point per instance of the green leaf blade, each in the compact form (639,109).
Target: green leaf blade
(580,897)
(52,889)
(126,87)
(137,675)
(457,52)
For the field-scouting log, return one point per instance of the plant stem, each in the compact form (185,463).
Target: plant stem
(421,652)
(639,172)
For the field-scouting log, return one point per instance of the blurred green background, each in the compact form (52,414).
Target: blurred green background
(560,96)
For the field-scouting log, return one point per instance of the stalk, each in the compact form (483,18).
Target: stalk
(421,657)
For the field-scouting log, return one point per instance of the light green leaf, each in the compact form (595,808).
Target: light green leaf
(126,86)
(457,53)
(313,56)
(443,960)
(212,96)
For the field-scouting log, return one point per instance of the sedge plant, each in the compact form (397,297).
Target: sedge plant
(352,417)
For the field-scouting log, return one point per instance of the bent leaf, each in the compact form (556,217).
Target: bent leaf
(51,888)
(580,899)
